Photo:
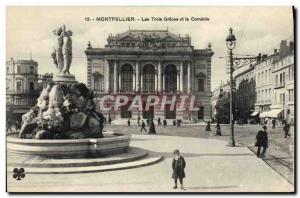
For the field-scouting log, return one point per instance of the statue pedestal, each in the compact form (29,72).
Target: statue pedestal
(64,79)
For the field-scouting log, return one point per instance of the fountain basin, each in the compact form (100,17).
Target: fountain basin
(112,143)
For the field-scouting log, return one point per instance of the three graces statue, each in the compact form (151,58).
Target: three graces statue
(62,54)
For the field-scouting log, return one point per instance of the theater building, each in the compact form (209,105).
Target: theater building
(152,62)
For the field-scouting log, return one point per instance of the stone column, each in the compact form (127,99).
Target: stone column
(178,81)
(155,81)
(159,77)
(137,76)
(189,77)
(141,82)
(181,76)
(115,77)
(163,82)
(106,63)
(133,82)
(120,86)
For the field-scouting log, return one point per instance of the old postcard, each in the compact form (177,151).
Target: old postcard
(150,99)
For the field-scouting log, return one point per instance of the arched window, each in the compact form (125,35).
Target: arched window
(170,78)
(148,78)
(98,81)
(126,77)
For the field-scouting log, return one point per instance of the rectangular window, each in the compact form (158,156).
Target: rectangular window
(200,84)
(32,70)
(280,80)
(19,69)
(19,86)
(31,86)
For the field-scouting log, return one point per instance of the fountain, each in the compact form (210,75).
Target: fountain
(63,132)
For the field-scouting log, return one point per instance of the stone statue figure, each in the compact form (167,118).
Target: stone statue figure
(62,54)
(68,51)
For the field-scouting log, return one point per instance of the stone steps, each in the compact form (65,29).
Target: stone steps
(136,157)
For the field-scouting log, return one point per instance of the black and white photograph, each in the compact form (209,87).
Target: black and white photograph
(150,99)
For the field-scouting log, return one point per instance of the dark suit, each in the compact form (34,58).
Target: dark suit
(261,141)
(178,168)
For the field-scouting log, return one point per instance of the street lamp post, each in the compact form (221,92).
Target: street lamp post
(230,43)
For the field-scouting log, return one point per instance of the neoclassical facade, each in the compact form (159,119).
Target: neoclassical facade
(143,62)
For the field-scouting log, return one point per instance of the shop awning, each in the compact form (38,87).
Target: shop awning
(255,113)
(273,113)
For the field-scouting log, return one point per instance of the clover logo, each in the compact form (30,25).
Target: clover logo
(19,173)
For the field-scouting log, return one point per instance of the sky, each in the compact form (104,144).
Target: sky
(29,31)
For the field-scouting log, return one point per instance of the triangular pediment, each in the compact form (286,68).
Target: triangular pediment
(168,38)
(127,38)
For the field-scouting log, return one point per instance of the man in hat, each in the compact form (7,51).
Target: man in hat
(261,141)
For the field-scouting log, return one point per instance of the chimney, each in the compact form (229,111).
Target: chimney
(283,48)
(258,57)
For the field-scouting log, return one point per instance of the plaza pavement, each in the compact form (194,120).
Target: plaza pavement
(211,167)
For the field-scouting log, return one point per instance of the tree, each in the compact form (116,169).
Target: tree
(223,108)
(245,99)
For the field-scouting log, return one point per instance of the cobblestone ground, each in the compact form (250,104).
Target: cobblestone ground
(279,156)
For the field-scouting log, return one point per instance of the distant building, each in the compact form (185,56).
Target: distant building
(283,81)
(21,86)
(220,93)
(274,84)
(151,62)
(264,82)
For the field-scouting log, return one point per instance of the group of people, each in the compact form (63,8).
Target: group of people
(150,122)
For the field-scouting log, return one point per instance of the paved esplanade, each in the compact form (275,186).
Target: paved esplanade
(211,166)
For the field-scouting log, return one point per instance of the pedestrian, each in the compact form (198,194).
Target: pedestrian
(261,141)
(178,166)
(283,122)
(152,128)
(174,122)
(177,123)
(273,123)
(109,120)
(158,121)
(165,123)
(286,130)
(9,125)
(143,126)
(128,122)
(218,127)
(139,119)
(208,126)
